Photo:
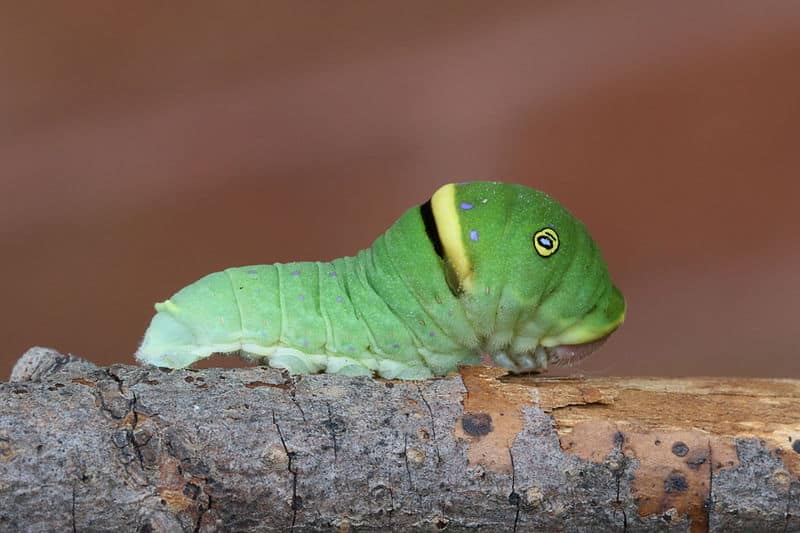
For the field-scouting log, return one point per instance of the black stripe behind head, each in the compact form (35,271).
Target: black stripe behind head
(426,211)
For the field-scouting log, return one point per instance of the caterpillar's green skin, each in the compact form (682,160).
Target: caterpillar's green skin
(419,302)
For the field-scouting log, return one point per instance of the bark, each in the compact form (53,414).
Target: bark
(252,449)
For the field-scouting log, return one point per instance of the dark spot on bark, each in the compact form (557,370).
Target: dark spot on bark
(666,518)
(336,425)
(188,379)
(23,391)
(297,503)
(619,438)
(199,468)
(441,523)
(796,445)
(658,442)
(191,490)
(389,385)
(675,482)
(152,382)
(513,498)
(680,449)
(695,462)
(477,424)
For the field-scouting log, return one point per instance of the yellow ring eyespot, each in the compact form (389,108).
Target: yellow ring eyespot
(545,241)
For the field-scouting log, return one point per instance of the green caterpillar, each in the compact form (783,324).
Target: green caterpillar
(481,268)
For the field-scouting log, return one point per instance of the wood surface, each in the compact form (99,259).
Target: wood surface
(129,448)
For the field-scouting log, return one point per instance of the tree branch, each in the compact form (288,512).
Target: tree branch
(253,449)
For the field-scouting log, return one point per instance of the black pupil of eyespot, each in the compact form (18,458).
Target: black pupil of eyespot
(545,242)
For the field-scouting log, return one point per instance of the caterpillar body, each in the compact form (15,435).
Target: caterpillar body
(481,268)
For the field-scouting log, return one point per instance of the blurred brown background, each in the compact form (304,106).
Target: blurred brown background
(145,145)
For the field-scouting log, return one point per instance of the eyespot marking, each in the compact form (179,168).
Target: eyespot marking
(473,235)
(466,206)
(545,242)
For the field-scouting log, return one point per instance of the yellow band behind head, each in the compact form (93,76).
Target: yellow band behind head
(443,206)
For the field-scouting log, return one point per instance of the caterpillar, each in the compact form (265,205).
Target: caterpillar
(481,268)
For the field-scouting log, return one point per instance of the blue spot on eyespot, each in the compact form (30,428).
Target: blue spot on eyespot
(396,346)
(301,297)
(252,272)
(544,241)
(339,299)
(305,343)
(332,274)
(473,235)
(466,206)
(295,273)
(432,334)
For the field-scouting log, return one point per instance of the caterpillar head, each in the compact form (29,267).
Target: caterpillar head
(531,278)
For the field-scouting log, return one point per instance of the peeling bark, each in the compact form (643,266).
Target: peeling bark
(252,449)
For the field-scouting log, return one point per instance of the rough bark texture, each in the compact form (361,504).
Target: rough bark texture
(252,449)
